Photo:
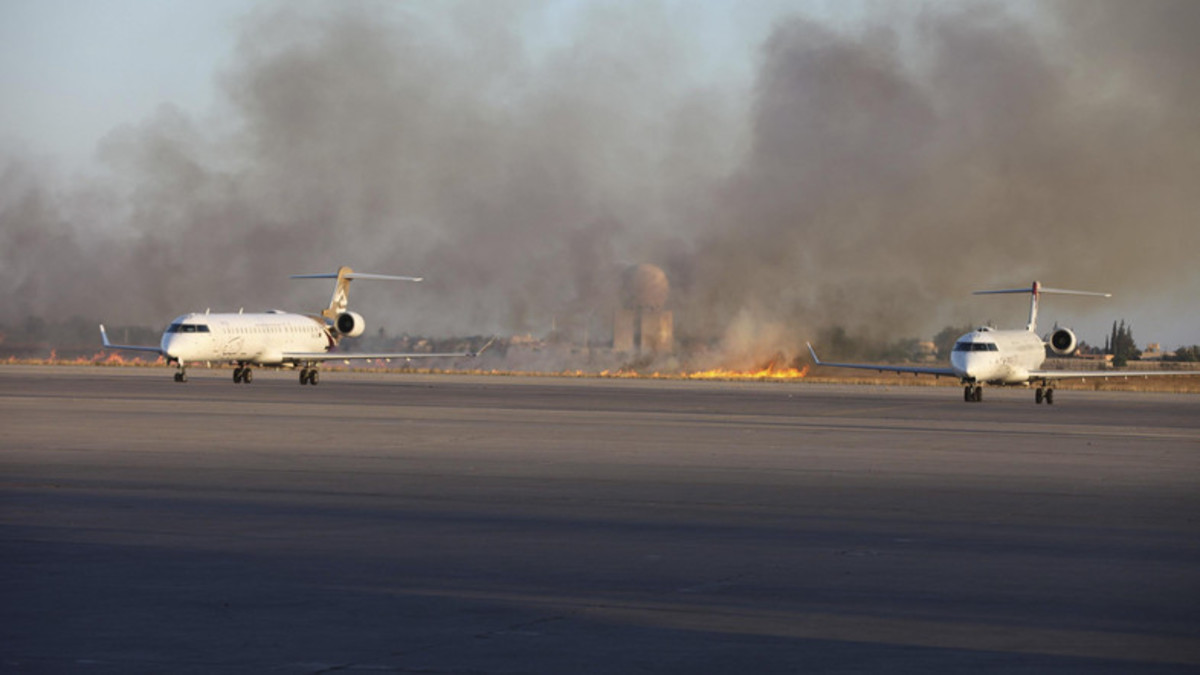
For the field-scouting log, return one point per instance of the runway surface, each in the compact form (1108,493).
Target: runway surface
(394,523)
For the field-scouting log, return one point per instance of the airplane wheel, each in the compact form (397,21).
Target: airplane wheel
(978,394)
(968,394)
(237,375)
(314,376)
(304,377)
(247,376)
(1039,395)
(180,378)
(1049,397)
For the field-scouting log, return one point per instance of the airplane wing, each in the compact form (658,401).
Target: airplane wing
(348,356)
(135,348)
(917,370)
(1072,374)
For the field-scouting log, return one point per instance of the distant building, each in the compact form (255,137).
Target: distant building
(643,324)
(926,351)
(1154,352)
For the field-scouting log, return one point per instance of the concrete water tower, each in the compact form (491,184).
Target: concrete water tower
(643,324)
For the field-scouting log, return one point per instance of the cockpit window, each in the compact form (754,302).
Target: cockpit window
(187,328)
(965,346)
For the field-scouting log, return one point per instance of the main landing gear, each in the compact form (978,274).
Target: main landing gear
(243,374)
(309,376)
(973,393)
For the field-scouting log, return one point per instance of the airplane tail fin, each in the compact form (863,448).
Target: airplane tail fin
(341,289)
(1035,291)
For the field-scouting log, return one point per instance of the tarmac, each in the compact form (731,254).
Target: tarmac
(494,525)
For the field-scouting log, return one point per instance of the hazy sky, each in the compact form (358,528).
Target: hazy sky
(73,70)
(788,163)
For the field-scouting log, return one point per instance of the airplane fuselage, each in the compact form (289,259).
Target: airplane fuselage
(260,338)
(998,356)
(273,338)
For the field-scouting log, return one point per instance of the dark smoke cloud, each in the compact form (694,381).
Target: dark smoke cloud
(875,175)
(896,168)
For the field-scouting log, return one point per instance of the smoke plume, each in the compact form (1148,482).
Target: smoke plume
(874,174)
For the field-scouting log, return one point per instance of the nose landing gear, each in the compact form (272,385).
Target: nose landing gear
(973,393)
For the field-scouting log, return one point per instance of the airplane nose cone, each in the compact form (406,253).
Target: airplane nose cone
(967,364)
(982,368)
(170,349)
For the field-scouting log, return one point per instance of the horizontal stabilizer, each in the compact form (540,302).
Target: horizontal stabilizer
(1060,291)
(358,275)
(1035,292)
(341,289)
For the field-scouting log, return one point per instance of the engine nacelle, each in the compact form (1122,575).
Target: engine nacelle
(350,324)
(1062,342)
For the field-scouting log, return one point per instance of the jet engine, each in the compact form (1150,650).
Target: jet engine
(1062,342)
(351,324)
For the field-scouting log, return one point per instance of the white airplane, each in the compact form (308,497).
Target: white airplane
(274,338)
(1009,357)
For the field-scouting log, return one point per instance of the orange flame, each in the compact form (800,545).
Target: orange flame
(100,358)
(770,372)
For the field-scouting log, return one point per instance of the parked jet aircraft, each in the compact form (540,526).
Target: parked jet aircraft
(273,338)
(1009,357)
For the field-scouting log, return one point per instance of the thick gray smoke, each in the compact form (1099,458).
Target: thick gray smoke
(895,169)
(874,175)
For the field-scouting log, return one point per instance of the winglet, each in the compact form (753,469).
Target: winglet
(812,352)
(482,349)
(104,336)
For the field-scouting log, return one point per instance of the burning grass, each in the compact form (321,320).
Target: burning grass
(100,358)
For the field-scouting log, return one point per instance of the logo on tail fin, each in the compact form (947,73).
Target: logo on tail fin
(341,294)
